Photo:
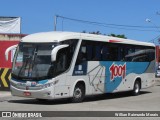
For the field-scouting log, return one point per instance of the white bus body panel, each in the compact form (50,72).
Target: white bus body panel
(97,72)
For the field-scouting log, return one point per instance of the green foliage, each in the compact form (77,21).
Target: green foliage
(99,33)
(119,36)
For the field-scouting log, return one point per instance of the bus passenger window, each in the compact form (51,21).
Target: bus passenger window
(81,55)
(61,62)
(97,53)
(130,54)
(89,52)
(113,54)
(105,53)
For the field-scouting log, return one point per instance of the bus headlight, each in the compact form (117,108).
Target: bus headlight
(49,84)
(55,82)
(12,83)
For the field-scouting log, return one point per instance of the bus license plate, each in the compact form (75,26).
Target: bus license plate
(27,94)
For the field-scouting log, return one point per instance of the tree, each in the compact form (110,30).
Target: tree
(119,36)
(97,33)
(113,35)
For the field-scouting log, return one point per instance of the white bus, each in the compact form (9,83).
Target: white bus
(53,65)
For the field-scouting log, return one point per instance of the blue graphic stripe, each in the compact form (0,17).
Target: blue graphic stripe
(131,67)
(24,81)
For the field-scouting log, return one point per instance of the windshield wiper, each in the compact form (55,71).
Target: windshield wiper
(24,66)
(31,65)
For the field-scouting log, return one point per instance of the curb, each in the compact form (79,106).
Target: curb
(5,93)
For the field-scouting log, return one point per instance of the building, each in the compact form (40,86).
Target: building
(7,40)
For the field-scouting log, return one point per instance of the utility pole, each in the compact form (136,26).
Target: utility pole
(157,27)
(55,22)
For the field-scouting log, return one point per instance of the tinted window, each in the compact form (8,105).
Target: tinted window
(103,51)
(64,56)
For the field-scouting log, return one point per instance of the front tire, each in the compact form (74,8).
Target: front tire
(41,100)
(78,94)
(136,89)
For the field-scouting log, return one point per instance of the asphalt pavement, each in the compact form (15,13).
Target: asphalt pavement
(148,100)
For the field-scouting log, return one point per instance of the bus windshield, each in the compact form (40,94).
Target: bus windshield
(32,61)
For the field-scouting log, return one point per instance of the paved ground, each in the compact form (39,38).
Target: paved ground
(148,100)
(5,93)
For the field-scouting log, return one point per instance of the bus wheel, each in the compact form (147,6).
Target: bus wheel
(41,100)
(136,89)
(78,94)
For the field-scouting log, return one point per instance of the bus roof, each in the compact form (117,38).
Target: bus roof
(61,36)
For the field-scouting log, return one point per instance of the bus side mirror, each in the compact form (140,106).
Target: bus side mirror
(8,50)
(55,50)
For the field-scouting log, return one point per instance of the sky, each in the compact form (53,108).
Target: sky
(38,16)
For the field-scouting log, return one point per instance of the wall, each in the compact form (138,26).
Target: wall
(6,40)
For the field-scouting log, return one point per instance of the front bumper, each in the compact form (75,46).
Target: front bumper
(46,93)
